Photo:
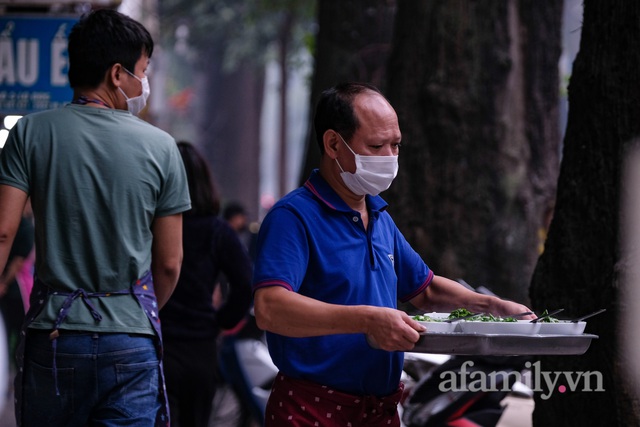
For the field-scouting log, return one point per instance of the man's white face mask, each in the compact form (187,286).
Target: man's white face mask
(373,175)
(137,103)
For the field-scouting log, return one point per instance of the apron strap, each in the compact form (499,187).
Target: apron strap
(142,290)
(64,312)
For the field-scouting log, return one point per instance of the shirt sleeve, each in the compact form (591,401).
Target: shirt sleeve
(174,196)
(13,162)
(282,251)
(413,273)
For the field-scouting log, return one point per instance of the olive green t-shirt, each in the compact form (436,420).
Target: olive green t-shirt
(97,178)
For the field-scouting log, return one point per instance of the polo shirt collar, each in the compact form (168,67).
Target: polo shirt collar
(323,192)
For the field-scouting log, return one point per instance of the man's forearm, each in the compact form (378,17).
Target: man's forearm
(166,256)
(12,201)
(291,314)
(164,283)
(445,295)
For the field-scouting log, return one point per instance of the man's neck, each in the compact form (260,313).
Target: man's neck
(354,201)
(92,98)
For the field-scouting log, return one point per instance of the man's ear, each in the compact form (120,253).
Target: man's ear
(114,75)
(331,139)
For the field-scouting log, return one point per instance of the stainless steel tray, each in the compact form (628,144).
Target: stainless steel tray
(502,345)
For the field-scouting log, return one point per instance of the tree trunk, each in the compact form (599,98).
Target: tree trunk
(580,269)
(283,51)
(475,85)
(352,44)
(229,105)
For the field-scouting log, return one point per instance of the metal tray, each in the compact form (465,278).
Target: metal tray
(502,345)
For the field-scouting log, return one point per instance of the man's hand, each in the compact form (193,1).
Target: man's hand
(393,330)
(505,308)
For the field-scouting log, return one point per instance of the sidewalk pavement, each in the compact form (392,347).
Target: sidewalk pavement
(7,417)
(518,412)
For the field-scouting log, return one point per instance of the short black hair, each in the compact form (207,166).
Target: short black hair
(100,39)
(335,110)
(205,199)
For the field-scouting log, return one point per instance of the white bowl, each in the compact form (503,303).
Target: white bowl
(562,327)
(439,325)
(521,327)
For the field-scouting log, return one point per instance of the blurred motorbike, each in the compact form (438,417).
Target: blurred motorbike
(464,392)
(247,373)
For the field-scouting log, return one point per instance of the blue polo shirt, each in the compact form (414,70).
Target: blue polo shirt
(312,243)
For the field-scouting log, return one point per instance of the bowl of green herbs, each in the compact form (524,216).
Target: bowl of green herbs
(489,324)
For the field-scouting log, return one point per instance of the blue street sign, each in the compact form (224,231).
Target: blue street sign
(34,63)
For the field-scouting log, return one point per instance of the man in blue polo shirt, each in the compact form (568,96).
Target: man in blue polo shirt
(331,265)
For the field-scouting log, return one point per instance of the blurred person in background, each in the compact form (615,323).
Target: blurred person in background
(236,216)
(190,323)
(245,364)
(11,300)
(24,276)
(107,191)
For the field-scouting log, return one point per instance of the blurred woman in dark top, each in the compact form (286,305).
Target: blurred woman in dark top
(190,323)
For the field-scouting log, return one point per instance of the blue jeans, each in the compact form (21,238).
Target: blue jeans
(107,380)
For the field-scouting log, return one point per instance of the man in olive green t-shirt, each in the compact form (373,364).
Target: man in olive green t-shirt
(108,191)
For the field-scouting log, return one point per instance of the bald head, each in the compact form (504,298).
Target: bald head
(337,109)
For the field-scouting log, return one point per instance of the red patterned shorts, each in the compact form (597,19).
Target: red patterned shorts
(300,403)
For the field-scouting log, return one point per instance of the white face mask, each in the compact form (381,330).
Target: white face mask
(137,103)
(373,175)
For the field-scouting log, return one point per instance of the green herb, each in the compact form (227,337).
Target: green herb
(548,319)
(492,318)
(425,318)
(462,312)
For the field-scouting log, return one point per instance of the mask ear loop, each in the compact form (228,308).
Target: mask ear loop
(345,143)
(126,98)
(135,77)
(349,148)
(132,75)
